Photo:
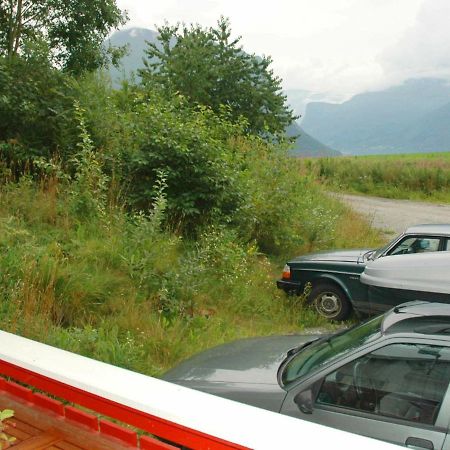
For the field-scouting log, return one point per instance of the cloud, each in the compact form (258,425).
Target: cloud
(424,49)
(332,47)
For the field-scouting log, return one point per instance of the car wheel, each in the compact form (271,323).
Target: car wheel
(330,301)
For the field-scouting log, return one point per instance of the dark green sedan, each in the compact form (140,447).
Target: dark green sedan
(334,277)
(386,378)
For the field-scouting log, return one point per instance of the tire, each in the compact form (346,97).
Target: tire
(330,302)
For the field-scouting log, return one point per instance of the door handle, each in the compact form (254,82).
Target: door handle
(419,443)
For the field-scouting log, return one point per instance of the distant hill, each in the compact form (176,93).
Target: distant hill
(306,145)
(299,98)
(135,39)
(412,117)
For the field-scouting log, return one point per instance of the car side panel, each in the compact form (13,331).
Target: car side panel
(345,275)
(381,299)
(377,428)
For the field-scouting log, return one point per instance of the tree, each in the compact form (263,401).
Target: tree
(70,32)
(36,111)
(209,68)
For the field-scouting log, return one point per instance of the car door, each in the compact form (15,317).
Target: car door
(396,393)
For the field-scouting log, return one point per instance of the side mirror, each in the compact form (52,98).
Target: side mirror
(304,401)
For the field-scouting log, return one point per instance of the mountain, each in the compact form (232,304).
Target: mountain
(135,39)
(412,117)
(432,131)
(299,98)
(306,146)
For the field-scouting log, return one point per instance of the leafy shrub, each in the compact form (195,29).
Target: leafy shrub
(35,110)
(191,147)
(282,211)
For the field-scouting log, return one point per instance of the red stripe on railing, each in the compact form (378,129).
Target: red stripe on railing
(118,432)
(18,391)
(48,403)
(88,420)
(148,443)
(159,427)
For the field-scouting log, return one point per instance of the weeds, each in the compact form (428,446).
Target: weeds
(120,286)
(122,289)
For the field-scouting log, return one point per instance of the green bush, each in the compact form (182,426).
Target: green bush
(191,147)
(35,109)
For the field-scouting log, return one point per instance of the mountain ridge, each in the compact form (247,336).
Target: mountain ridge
(387,121)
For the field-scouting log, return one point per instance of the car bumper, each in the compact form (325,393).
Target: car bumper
(290,287)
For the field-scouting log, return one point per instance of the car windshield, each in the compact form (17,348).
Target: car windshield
(328,349)
(380,251)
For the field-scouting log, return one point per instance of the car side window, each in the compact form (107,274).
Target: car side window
(447,245)
(415,244)
(404,381)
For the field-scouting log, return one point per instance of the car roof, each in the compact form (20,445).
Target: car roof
(430,228)
(418,317)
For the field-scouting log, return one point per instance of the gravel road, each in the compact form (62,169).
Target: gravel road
(393,216)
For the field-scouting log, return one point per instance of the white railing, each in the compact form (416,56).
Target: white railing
(175,413)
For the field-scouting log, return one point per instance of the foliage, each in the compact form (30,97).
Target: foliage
(89,189)
(121,288)
(192,147)
(210,68)
(409,176)
(35,110)
(283,213)
(70,33)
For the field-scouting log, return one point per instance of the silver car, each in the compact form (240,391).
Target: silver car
(386,378)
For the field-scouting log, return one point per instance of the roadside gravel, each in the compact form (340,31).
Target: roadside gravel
(393,216)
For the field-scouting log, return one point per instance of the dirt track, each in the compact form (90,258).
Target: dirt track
(393,216)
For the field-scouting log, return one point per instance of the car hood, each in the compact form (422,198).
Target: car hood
(353,255)
(254,360)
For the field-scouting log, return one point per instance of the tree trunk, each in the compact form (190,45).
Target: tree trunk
(14,27)
(19,19)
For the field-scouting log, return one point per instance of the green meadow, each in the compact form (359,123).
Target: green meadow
(421,176)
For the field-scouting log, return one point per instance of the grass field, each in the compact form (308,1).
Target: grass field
(119,289)
(406,176)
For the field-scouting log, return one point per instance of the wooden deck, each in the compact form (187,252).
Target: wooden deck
(37,428)
(41,422)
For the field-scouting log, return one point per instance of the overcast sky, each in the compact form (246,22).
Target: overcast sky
(333,48)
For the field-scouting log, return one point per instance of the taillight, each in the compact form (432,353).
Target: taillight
(286,273)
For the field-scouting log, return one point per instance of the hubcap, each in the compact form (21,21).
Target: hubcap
(328,304)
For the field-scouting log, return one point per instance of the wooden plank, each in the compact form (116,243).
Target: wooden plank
(40,442)
(75,436)
(19,431)
(66,446)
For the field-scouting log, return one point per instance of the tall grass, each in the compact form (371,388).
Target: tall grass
(417,176)
(119,288)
